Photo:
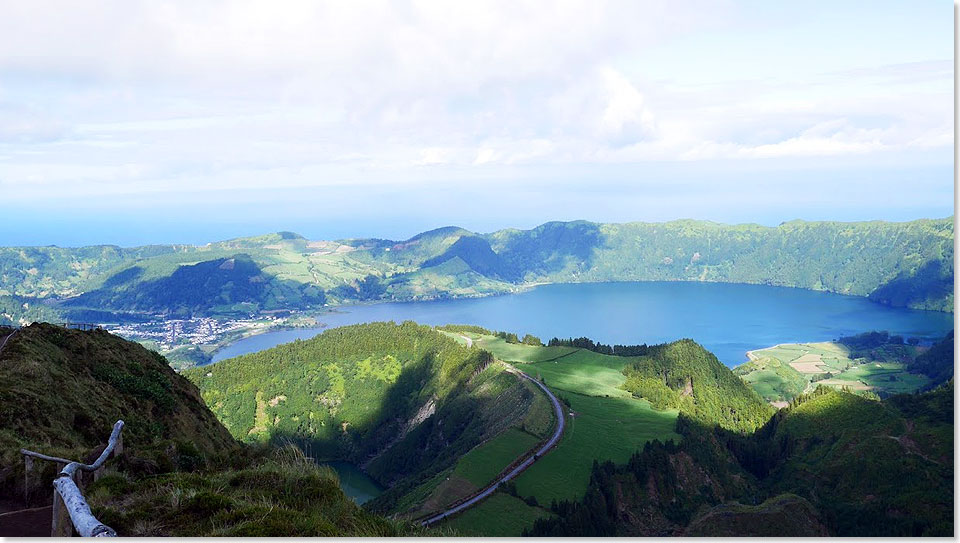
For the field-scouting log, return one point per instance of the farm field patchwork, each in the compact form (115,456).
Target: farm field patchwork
(783,372)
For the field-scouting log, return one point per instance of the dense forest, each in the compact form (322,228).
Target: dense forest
(901,264)
(936,362)
(683,375)
(833,463)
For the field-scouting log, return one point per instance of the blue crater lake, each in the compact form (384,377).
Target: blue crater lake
(727,319)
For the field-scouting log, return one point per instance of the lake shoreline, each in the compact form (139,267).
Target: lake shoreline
(766,297)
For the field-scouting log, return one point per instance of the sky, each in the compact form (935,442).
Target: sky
(130,123)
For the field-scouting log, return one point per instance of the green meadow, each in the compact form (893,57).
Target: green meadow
(771,374)
(485,462)
(607,422)
(500,515)
(601,429)
(891,377)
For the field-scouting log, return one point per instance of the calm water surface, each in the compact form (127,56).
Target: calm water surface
(727,319)
(355,483)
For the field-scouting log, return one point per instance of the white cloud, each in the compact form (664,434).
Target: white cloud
(121,96)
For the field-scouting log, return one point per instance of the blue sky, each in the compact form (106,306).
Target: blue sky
(131,123)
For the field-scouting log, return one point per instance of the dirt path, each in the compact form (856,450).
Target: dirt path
(27,522)
(909,444)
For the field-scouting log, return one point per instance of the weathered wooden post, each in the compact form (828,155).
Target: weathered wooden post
(62,524)
(71,513)
(27,468)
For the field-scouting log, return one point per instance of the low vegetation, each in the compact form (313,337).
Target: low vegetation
(832,463)
(277,493)
(870,363)
(180,472)
(61,391)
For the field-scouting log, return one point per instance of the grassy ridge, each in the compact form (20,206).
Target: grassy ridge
(608,423)
(832,463)
(180,473)
(62,390)
(900,264)
(281,494)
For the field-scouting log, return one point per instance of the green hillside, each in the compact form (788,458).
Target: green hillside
(181,473)
(62,390)
(405,401)
(611,418)
(833,463)
(902,264)
(683,375)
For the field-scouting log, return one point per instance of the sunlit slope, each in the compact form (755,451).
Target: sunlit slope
(900,264)
(406,402)
(607,422)
(833,463)
(878,366)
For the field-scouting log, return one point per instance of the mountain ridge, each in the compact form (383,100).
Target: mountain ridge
(904,264)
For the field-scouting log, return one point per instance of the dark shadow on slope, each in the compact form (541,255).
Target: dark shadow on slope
(476,253)
(213,286)
(843,463)
(401,454)
(552,247)
(925,288)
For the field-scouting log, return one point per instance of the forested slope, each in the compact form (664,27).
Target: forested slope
(683,375)
(833,463)
(906,264)
(403,400)
(180,473)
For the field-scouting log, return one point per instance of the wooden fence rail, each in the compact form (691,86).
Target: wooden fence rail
(70,509)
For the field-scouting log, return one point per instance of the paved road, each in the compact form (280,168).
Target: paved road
(558,409)
(3,343)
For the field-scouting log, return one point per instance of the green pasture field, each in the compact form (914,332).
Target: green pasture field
(891,377)
(601,429)
(770,373)
(515,352)
(500,515)
(483,463)
(608,424)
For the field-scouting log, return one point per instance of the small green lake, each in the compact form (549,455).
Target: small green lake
(355,482)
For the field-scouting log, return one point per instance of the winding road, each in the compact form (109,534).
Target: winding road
(7,338)
(492,487)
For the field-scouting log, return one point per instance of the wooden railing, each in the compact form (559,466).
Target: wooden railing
(70,509)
